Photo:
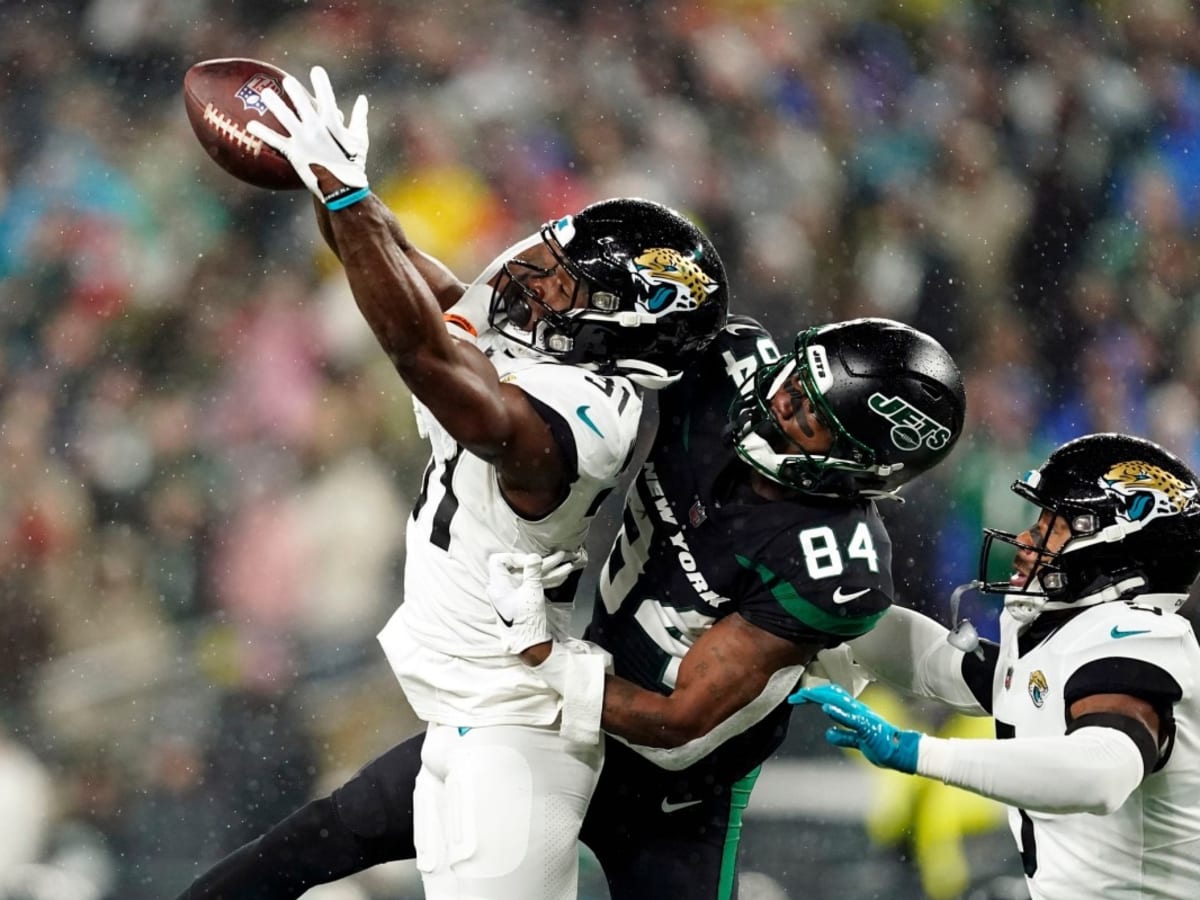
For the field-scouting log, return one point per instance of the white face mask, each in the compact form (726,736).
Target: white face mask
(476,300)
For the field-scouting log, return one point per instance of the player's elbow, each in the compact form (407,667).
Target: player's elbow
(687,724)
(670,729)
(1108,798)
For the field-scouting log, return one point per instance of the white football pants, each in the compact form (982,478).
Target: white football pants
(497,812)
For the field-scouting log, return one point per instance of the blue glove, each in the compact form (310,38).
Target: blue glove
(860,727)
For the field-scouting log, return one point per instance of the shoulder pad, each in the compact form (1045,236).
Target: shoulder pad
(601,411)
(1122,631)
(1123,624)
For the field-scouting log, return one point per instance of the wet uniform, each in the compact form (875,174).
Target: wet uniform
(1150,846)
(696,544)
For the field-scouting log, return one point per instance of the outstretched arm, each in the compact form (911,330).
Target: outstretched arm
(1110,746)
(393,291)
(445,285)
(455,381)
(910,652)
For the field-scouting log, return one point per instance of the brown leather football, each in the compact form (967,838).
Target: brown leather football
(221,97)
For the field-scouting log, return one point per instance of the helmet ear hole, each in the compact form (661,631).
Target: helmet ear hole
(1084,524)
(605,301)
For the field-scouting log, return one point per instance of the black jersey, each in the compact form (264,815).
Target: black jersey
(697,544)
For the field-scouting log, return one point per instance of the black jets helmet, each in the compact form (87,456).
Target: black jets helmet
(1134,513)
(657,292)
(891,395)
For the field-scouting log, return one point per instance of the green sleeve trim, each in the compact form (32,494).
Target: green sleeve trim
(805,611)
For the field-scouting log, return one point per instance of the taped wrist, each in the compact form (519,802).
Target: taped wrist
(576,671)
(345,196)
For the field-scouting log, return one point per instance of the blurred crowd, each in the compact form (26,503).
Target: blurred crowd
(206,463)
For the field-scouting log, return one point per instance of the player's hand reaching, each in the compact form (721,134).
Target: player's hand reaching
(318,135)
(860,727)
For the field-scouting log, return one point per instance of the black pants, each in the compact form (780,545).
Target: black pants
(658,835)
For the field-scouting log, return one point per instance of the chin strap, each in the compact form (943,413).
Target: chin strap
(965,636)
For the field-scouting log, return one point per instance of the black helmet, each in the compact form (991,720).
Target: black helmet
(891,395)
(1134,513)
(657,292)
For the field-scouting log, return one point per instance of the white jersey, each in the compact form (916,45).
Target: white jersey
(444,643)
(1150,847)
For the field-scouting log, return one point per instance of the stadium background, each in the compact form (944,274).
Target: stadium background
(206,463)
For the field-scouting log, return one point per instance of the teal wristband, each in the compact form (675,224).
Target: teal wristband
(348,199)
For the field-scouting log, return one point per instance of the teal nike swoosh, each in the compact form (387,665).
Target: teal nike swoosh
(582,413)
(1118,633)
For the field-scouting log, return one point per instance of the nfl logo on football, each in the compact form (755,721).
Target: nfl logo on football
(251,92)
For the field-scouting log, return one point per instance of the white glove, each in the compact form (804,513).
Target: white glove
(515,590)
(558,566)
(317,134)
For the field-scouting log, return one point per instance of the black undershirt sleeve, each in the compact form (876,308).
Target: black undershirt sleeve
(979,674)
(1137,678)
(1123,675)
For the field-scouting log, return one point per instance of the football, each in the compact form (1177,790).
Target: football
(221,97)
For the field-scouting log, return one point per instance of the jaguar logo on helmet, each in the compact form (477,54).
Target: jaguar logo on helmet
(1146,491)
(671,280)
(649,291)
(910,427)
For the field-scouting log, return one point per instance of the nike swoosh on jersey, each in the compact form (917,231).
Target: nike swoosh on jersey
(1118,633)
(840,598)
(507,622)
(736,328)
(582,412)
(669,807)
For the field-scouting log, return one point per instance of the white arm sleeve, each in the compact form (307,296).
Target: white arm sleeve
(909,651)
(1092,770)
